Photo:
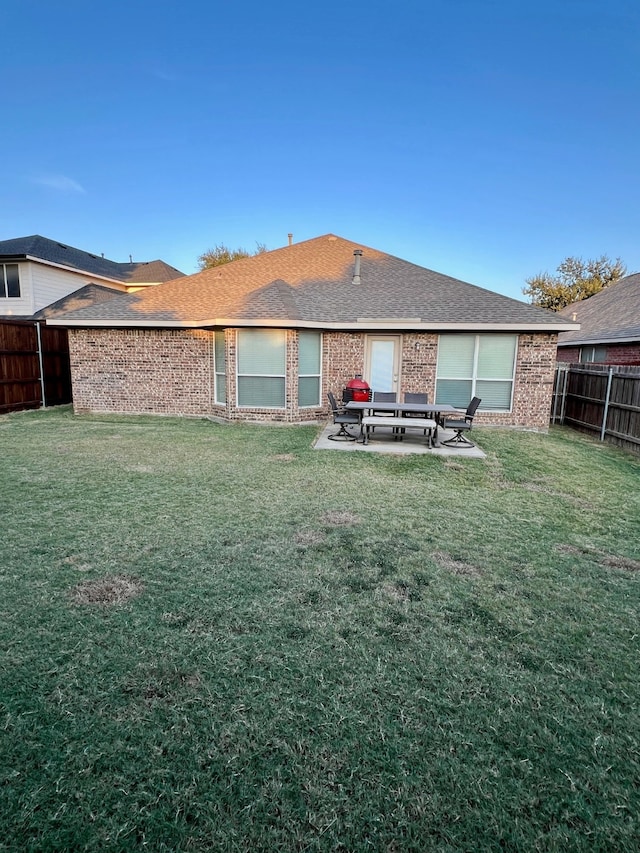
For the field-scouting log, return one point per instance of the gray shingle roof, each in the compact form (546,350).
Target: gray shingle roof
(611,316)
(59,253)
(89,295)
(310,283)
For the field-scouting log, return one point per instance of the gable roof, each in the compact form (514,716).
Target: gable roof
(611,316)
(310,284)
(90,294)
(50,251)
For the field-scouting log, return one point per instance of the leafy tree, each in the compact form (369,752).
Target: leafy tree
(575,280)
(220,254)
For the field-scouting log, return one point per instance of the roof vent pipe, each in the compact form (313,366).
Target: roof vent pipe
(290,236)
(574,316)
(356,267)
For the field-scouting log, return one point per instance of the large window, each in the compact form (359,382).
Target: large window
(9,281)
(476,366)
(261,368)
(220,367)
(309,360)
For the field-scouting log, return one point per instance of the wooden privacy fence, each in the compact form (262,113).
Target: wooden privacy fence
(34,365)
(600,399)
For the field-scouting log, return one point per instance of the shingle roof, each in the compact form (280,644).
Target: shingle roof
(89,295)
(311,284)
(59,253)
(611,316)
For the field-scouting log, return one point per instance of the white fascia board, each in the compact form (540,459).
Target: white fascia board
(387,325)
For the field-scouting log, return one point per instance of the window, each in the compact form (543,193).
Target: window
(220,368)
(309,359)
(261,368)
(593,354)
(476,365)
(9,281)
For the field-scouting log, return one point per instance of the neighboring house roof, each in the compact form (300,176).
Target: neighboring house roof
(611,316)
(89,295)
(42,249)
(310,284)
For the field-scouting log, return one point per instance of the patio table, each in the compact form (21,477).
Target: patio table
(434,411)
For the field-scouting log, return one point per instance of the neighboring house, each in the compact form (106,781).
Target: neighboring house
(264,338)
(36,271)
(609,326)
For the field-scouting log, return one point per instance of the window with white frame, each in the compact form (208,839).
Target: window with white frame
(9,281)
(261,368)
(476,366)
(220,368)
(595,354)
(309,367)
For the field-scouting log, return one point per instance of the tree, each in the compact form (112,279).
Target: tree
(575,280)
(220,254)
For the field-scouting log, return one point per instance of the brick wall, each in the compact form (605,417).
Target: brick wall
(164,371)
(615,354)
(535,367)
(140,371)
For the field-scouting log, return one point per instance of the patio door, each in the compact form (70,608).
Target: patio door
(382,362)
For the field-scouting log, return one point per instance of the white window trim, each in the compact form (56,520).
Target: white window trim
(262,376)
(3,280)
(474,379)
(311,375)
(217,372)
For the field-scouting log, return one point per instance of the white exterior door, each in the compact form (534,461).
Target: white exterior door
(382,369)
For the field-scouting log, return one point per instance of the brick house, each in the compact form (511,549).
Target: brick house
(609,326)
(265,338)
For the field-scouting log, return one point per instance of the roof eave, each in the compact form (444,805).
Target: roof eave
(630,339)
(361,324)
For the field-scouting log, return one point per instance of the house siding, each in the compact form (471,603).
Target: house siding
(170,372)
(41,285)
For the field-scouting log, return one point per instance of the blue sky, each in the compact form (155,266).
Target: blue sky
(486,139)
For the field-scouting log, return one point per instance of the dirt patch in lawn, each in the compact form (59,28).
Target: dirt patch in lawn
(456,567)
(308,538)
(340,518)
(625,563)
(112,589)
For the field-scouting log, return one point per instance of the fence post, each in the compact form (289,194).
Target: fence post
(41,363)
(605,414)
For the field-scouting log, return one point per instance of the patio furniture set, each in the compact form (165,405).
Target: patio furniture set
(413,413)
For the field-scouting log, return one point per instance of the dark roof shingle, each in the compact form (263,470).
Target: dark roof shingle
(610,316)
(59,253)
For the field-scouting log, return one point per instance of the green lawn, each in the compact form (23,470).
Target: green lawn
(216,638)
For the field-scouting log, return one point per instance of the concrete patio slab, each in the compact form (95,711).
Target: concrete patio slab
(382,441)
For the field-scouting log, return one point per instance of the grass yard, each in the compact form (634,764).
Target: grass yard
(216,638)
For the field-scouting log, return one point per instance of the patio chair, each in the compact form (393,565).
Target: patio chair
(343,419)
(411,397)
(461,425)
(383,397)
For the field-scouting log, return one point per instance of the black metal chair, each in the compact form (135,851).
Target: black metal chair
(343,419)
(384,397)
(461,425)
(411,397)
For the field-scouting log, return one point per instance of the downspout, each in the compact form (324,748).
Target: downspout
(41,364)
